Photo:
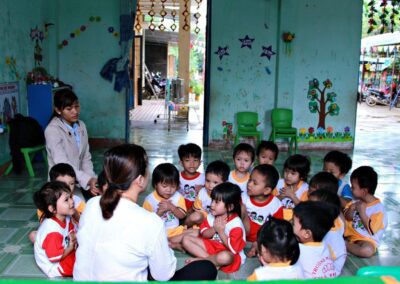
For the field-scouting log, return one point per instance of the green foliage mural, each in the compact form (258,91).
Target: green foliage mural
(321,103)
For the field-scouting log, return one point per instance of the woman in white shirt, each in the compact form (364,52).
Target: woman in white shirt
(119,240)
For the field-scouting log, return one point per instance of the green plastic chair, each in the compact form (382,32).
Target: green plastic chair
(29,153)
(247,123)
(393,271)
(281,119)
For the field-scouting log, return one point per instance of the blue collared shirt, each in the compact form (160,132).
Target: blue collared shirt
(74,131)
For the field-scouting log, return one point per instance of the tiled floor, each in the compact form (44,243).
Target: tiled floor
(377,142)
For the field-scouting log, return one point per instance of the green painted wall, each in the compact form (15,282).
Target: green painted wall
(326,46)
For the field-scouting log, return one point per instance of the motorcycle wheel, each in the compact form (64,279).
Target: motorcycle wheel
(370,101)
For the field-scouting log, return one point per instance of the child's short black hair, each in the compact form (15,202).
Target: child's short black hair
(230,194)
(189,150)
(278,238)
(48,195)
(270,173)
(219,168)
(324,181)
(327,196)
(298,163)
(366,178)
(340,159)
(244,147)
(165,173)
(316,216)
(61,169)
(268,145)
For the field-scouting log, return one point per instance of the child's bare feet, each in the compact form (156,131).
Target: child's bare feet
(176,246)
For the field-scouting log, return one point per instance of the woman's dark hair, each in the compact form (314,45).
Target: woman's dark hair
(165,173)
(62,99)
(326,181)
(122,165)
(230,194)
(300,164)
(278,238)
(61,169)
(48,196)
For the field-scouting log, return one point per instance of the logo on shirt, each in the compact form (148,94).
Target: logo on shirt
(168,217)
(188,192)
(258,219)
(357,223)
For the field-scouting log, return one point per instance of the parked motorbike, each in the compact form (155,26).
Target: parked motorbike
(374,96)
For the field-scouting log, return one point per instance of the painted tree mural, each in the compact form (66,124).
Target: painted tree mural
(322,103)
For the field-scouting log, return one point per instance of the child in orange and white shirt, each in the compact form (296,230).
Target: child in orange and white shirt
(278,252)
(243,158)
(366,218)
(293,187)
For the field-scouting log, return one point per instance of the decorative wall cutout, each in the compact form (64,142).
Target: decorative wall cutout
(246,41)
(11,62)
(78,31)
(287,38)
(267,52)
(222,51)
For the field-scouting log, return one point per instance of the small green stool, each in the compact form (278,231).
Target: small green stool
(29,154)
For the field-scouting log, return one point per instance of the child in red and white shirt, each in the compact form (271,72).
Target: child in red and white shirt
(55,242)
(260,203)
(223,234)
(191,181)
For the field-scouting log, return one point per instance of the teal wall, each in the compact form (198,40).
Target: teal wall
(326,46)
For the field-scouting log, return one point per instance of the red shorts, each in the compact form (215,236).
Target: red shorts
(214,247)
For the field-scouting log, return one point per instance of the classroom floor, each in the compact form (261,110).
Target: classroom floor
(378,137)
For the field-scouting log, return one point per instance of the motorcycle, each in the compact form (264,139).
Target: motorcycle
(374,96)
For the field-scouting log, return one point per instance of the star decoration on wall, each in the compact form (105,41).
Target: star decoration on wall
(246,41)
(222,51)
(267,52)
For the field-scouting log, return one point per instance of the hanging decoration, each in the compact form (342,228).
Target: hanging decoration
(267,52)
(173,14)
(163,13)
(246,41)
(78,31)
(138,26)
(112,31)
(197,16)
(383,15)
(152,13)
(222,51)
(287,38)
(186,16)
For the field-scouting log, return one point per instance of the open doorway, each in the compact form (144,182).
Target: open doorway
(167,96)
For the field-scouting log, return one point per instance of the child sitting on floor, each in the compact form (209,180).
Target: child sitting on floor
(267,152)
(311,221)
(222,232)
(293,187)
(278,252)
(366,218)
(55,241)
(339,164)
(260,203)
(217,172)
(243,158)
(322,181)
(191,181)
(334,238)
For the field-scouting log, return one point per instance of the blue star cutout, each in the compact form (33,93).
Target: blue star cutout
(267,52)
(246,41)
(222,51)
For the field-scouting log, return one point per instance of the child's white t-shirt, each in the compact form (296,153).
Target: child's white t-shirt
(187,187)
(335,241)
(241,182)
(277,271)
(316,260)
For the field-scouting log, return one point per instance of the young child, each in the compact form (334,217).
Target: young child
(223,233)
(64,173)
(334,238)
(243,158)
(267,152)
(278,252)
(55,242)
(260,203)
(339,164)
(191,181)
(165,201)
(324,181)
(217,172)
(311,221)
(366,217)
(293,187)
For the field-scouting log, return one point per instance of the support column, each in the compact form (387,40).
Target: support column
(184,45)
